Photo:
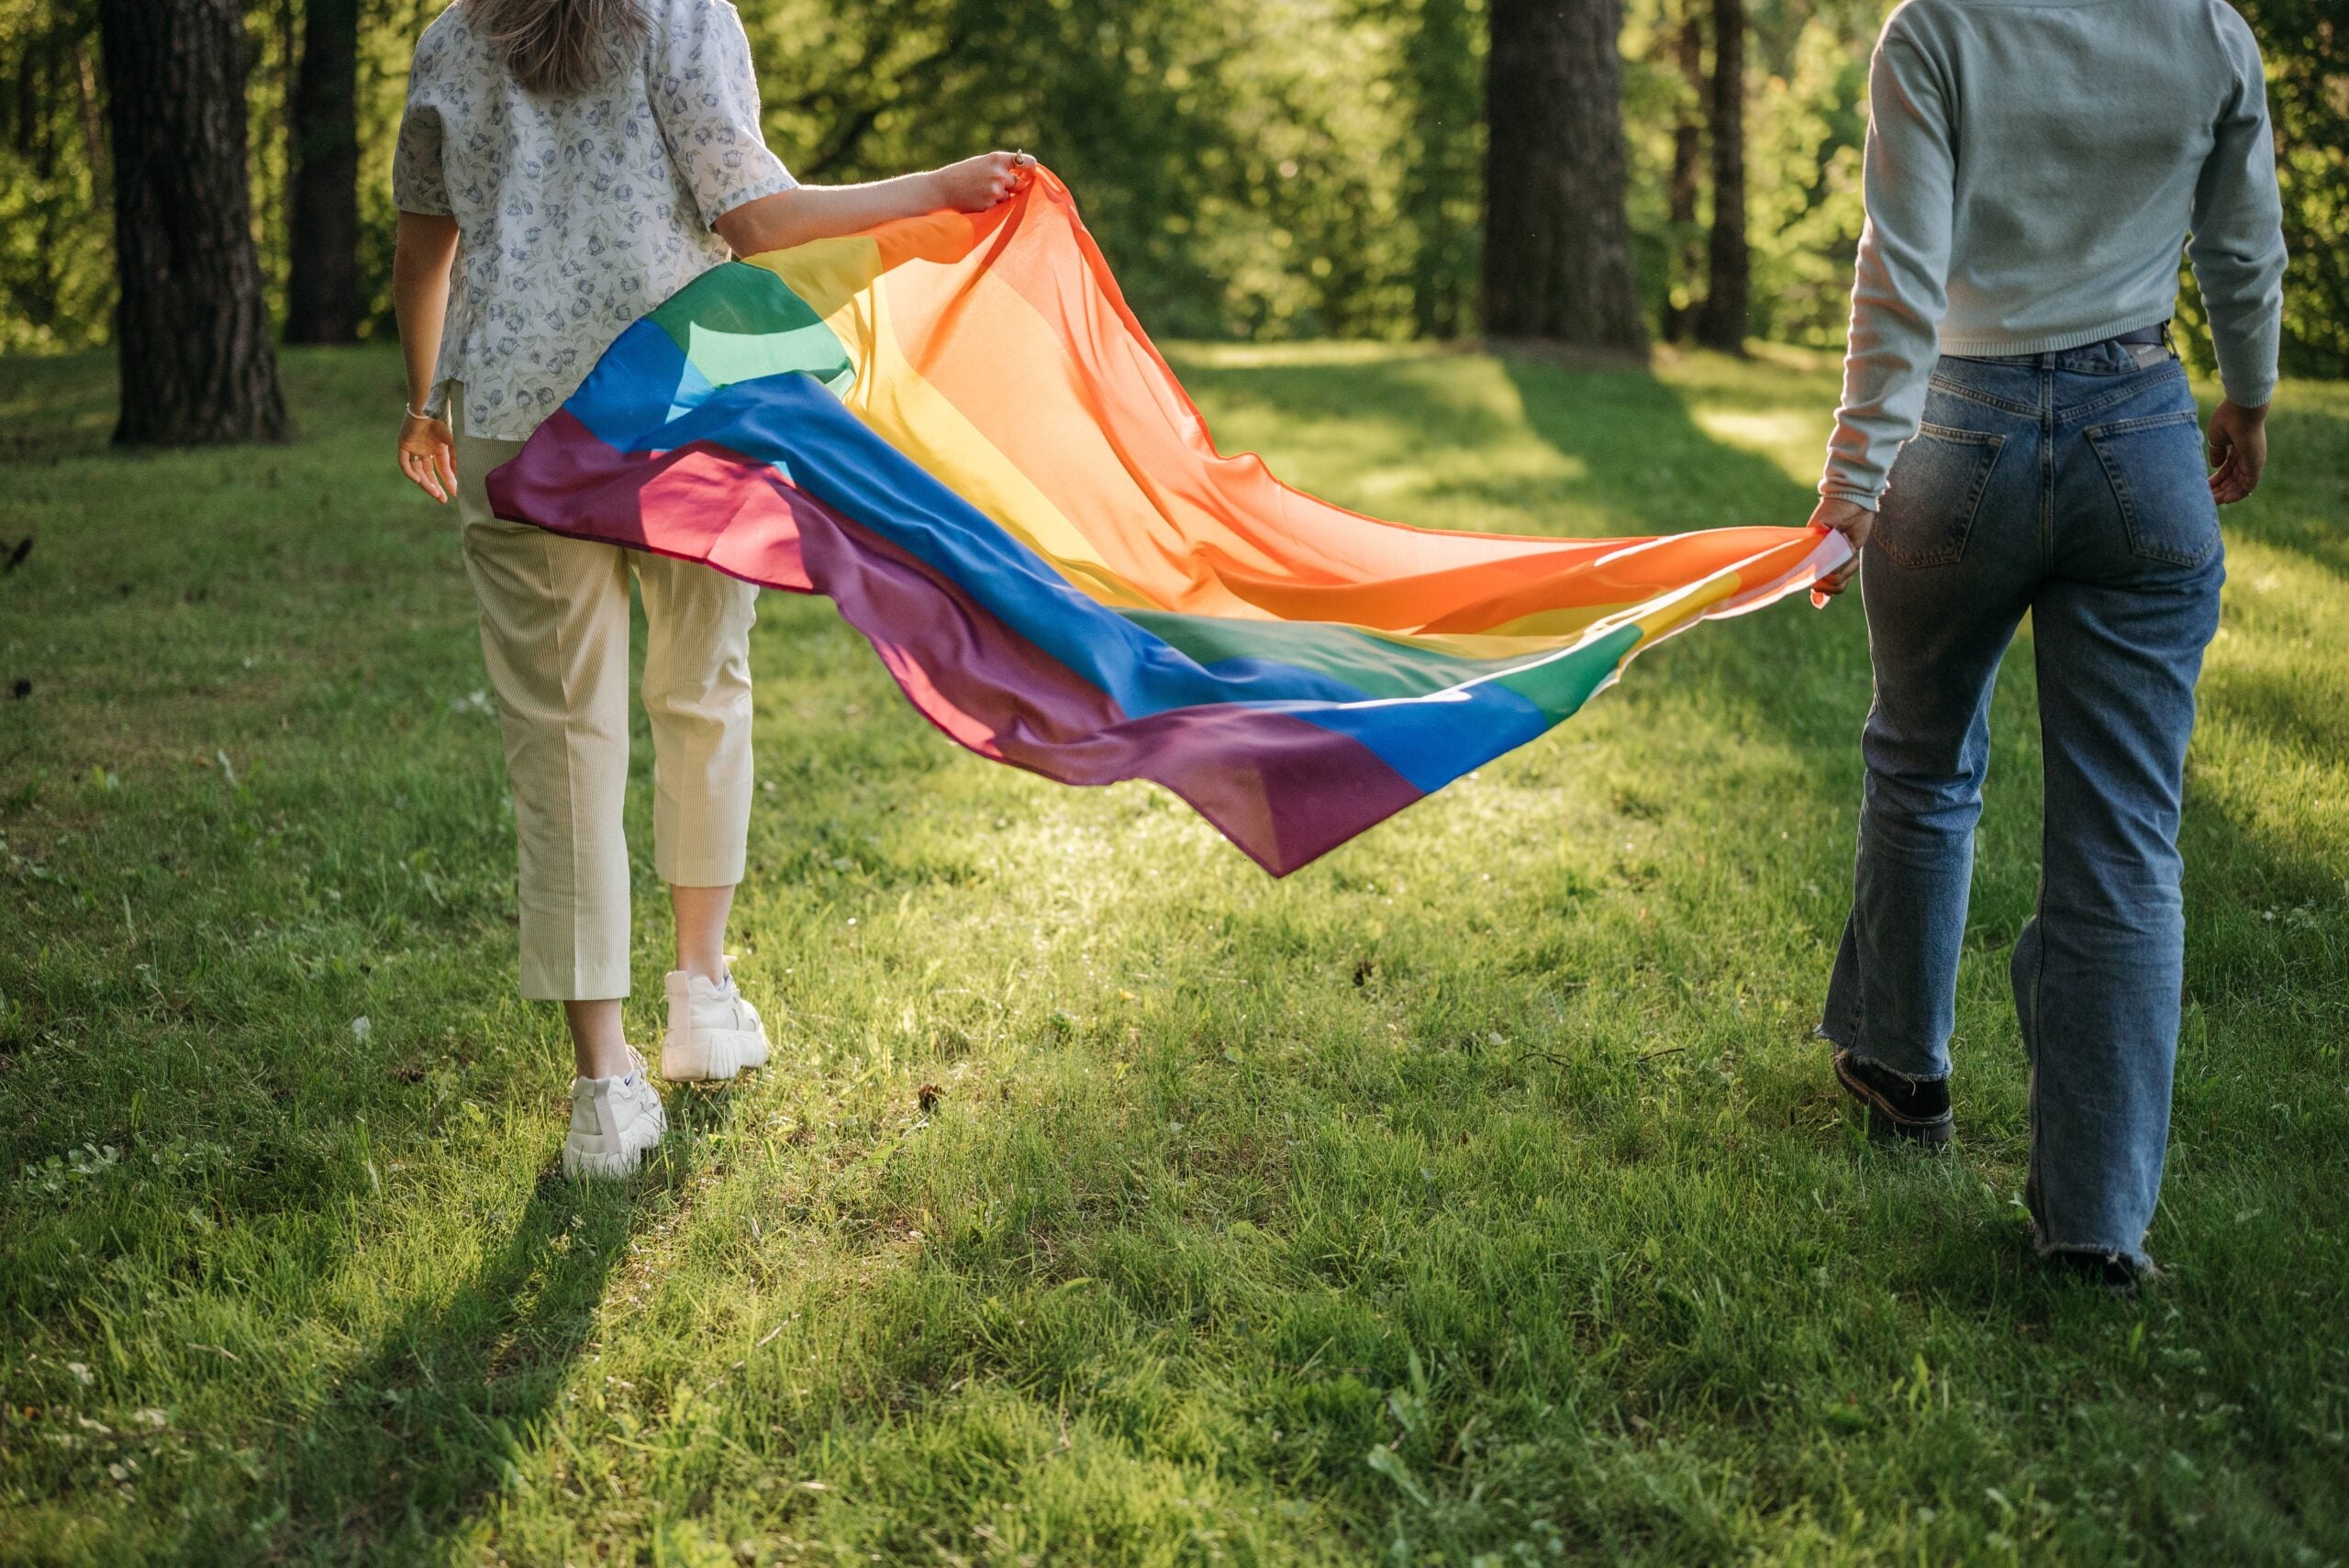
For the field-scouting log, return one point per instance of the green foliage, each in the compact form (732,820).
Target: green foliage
(1805,116)
(56,260)
(1807,119)
(2307,46)
(1250,171)
(1303,169)
(1311,169)
(1474,1196)
(1441,155)
(1655,99)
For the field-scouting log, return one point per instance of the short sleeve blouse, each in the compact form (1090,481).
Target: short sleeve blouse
(577,215)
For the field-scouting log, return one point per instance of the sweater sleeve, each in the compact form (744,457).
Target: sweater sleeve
(1900,287)
(2237,247)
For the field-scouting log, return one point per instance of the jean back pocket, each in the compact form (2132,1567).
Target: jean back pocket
(1932,492)
(2155,466)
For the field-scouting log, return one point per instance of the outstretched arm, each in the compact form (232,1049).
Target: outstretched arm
(803,213)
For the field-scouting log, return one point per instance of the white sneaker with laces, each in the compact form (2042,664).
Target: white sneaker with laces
(714,1032)
(613,1122)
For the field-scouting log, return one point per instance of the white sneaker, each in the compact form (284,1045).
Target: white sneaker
(613,1122)
(713,1032)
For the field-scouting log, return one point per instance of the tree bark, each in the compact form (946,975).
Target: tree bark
(1557,262)
(1721,324)
(192,329)
(322,238)
(1687,152)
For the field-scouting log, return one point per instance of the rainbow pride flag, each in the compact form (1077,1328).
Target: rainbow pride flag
(953,427)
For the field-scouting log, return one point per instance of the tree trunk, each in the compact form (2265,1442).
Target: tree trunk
(322,279)
(1687,151)
(1722,323)
(192,330)
(1557,258)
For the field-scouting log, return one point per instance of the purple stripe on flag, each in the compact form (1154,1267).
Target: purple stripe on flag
(1285,790)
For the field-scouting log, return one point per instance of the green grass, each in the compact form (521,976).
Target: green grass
(1474,1196)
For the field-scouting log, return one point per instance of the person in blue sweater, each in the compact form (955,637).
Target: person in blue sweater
(2016,436)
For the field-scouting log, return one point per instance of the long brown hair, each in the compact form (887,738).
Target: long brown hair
(561,46)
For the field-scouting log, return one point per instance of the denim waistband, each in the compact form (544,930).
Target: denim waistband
(2142,345)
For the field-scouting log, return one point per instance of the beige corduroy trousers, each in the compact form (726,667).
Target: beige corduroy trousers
(554,633)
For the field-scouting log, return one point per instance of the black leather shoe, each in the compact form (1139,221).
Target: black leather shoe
(2106,1271)
(1898,1109)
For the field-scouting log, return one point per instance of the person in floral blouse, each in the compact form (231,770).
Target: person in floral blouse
(563,166)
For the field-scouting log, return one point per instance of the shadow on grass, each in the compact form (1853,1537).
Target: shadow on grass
(56,407)
(1643,454)
(415,1442)
(1395,402)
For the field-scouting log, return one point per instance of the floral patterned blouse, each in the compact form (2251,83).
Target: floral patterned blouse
(577,215)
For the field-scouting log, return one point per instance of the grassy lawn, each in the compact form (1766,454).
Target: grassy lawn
(1474,1196)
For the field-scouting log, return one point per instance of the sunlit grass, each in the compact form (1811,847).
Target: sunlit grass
(1475,1194)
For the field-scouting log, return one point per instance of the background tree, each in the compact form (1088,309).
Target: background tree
(1252,171)
(1721,324)
(322,230)
(1557,259)
(197,367)
(1684,282)
(1239,163)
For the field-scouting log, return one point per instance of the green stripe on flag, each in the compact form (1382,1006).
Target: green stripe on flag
(738,323)
(728,357)
(1374,666)
(1564,682)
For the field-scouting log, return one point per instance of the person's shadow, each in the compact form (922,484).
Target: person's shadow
(411,1441)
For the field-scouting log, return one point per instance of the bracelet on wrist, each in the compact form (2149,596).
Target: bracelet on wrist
(416,413)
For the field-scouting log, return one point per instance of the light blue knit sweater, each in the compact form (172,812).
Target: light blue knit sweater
(2033,168)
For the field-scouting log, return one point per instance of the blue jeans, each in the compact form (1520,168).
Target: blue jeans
(2070,485)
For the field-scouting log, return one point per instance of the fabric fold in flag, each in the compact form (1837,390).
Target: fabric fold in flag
(953,427)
